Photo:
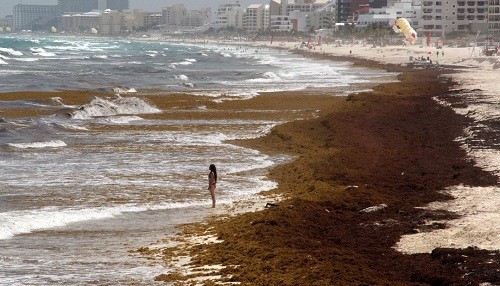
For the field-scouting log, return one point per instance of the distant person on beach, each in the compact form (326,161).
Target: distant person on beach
(212,182)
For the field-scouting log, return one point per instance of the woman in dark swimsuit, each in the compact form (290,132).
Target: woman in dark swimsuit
(212,182)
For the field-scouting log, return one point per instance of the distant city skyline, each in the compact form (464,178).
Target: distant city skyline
(146,5)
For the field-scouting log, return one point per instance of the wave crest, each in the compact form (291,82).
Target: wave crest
(38,145)
(100,107)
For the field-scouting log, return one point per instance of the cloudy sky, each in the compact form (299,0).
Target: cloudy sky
(146,5)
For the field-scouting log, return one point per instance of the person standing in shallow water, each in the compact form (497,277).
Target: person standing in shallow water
(212,182)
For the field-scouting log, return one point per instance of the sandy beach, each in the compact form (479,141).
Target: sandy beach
(381,191)
(378,187)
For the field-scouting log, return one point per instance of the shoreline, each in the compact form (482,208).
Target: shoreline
(318,235)
(337,180)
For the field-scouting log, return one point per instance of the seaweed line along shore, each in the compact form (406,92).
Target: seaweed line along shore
(337,165)
(397,186)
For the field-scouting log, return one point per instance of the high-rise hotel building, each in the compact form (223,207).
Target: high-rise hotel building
(25,15)
(81,6)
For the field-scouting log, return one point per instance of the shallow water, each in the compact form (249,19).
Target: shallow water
(84,185)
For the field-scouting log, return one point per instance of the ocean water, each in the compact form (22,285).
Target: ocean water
(80,190)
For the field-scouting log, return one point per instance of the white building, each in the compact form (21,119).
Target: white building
(235,18)
(440,17)
(26,15)
(256,17)
(323,19)
(199,17)
(108,22)
(280,23)
(494,17)
(308,6)
(153,19)
(177,17)
(301,15)
(221,17)
(298,19)
(174,15)
(408,9)
(80,22)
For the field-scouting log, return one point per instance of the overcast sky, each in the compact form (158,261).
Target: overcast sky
(146,5)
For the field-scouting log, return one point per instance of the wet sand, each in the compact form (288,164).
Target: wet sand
(392,148)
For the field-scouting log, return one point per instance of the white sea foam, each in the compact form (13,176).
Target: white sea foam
(11,52)
(72,127)
(19,222)
(187,84)
(266,77)
(119,106)
(26,59)
(184,63)
(39,145)
(41,52)
(123,119)
(123,90)
(182,77)
(76,47)
(2,62)
(59,101)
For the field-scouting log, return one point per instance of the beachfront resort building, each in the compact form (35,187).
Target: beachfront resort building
(437,18)
(440,17)
(278,15)
(494,17)
(411,10)
(26,17)
(280,23)
(108,22)
(253,18)
(178,17)
(80,22)
(256,17)
(301,15)
(222,15)
(347,10)
(114,22)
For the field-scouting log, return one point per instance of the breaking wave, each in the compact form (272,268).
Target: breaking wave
(38,145)
(100,107)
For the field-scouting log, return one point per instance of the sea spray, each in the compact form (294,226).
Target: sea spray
(99,107)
